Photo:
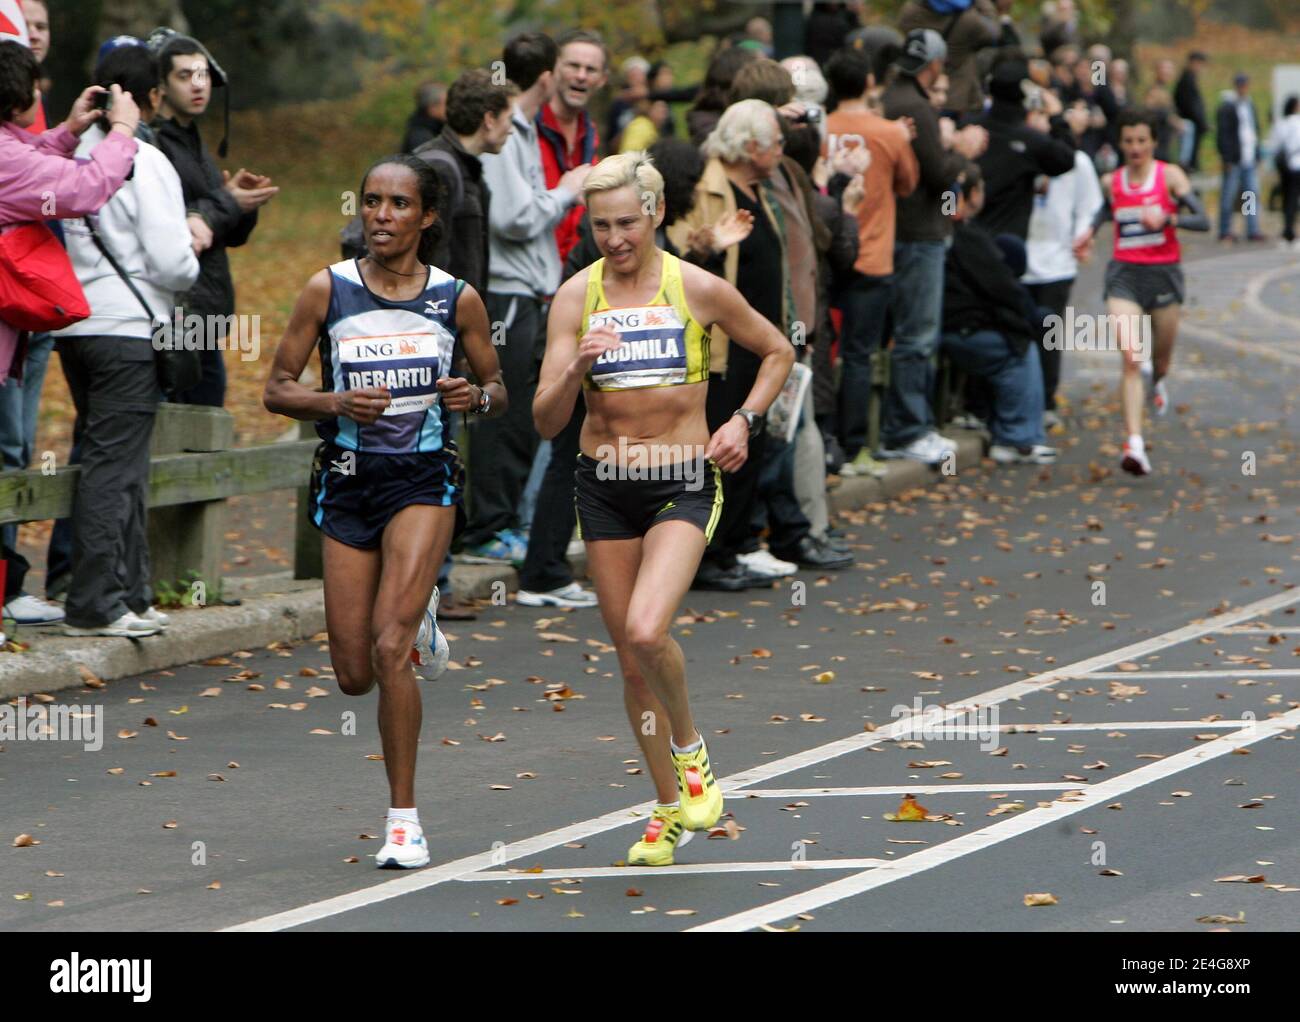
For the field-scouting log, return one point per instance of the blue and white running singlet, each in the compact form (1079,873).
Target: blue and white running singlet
(370,341)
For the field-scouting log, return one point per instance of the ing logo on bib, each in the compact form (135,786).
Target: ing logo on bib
(653,352)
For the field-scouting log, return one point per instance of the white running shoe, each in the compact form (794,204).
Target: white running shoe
(404,846)
(128,626)
(930,448)
(1135,461)
(761,562)
(572,595)
(1159,398)
(28,610)
(1036,454)
(431,649)
(156,616)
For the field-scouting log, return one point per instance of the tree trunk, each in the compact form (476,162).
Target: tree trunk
(1123,29)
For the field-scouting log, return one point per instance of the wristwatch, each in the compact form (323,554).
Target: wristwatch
(752,418)
(484,402)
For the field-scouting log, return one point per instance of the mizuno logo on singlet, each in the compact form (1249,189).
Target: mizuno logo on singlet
(435,308)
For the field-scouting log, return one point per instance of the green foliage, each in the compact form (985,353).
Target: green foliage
(181,593)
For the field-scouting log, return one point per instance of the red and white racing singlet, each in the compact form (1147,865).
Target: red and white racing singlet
(1135,243)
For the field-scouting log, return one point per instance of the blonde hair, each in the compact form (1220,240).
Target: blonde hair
(633,169)
(743,122)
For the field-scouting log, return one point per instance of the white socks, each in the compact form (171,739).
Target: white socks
(413,815)
(1135,443)
(680,751)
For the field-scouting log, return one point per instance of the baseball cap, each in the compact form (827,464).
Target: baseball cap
(920,48)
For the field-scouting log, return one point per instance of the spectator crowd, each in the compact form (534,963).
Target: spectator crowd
(896,198)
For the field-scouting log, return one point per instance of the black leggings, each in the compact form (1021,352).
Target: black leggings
(1290,202)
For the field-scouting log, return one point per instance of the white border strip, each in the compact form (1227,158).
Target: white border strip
(1276,672)
(979,840)
(605,872)
(898,789)
(426,878)
(949,730)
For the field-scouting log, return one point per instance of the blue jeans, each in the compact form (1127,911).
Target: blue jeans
(865,302)
(1017,419)
(528,502)
(916,302)
(1238,178)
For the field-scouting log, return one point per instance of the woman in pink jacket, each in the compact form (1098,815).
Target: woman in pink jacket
(39,179)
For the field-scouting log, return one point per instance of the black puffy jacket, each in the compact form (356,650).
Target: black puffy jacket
(213,294)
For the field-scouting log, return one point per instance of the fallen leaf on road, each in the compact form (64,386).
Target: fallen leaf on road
(909,811)
(1034,900)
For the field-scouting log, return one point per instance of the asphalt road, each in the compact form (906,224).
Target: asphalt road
(1132,643)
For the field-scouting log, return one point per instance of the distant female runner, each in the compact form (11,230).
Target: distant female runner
(387,477)
(1147,199)
(631,332)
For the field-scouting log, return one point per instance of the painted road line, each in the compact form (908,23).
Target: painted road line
(976,841)
(948,730)
(591,872)
(1236,345)
(1262,630)
(900,789)
(1276,672)
(431,877)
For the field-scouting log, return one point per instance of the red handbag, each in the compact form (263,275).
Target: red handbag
(38,288)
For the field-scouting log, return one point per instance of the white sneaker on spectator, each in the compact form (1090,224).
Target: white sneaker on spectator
(761,562)
(966,421)
(1036,454)
(128,626)
(575,548)
(156,616)
(572,595)
(930,448)
(28,610)
(1050,421)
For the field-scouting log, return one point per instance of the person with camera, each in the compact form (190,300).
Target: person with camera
(131,258)
(1027,139)
(39,179)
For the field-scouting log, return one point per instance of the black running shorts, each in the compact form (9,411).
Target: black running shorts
(1150,285)
(354,496)
(612,503)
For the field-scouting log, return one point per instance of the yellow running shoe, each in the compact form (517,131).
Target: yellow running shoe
(700,795)
(663,833)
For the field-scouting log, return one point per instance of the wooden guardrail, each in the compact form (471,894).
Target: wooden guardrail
(193,471)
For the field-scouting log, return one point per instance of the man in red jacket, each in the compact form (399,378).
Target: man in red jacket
(566,134)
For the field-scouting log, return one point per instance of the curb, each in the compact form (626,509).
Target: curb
(266,616)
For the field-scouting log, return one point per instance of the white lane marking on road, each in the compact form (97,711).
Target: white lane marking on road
(1239,346)
(588,872)
(979,840)
(1276,672)
(430,877)
(900,789)
(1261,630)
(1088,725)
(1255,288)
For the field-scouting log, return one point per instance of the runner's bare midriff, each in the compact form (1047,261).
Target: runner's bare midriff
(650,417)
